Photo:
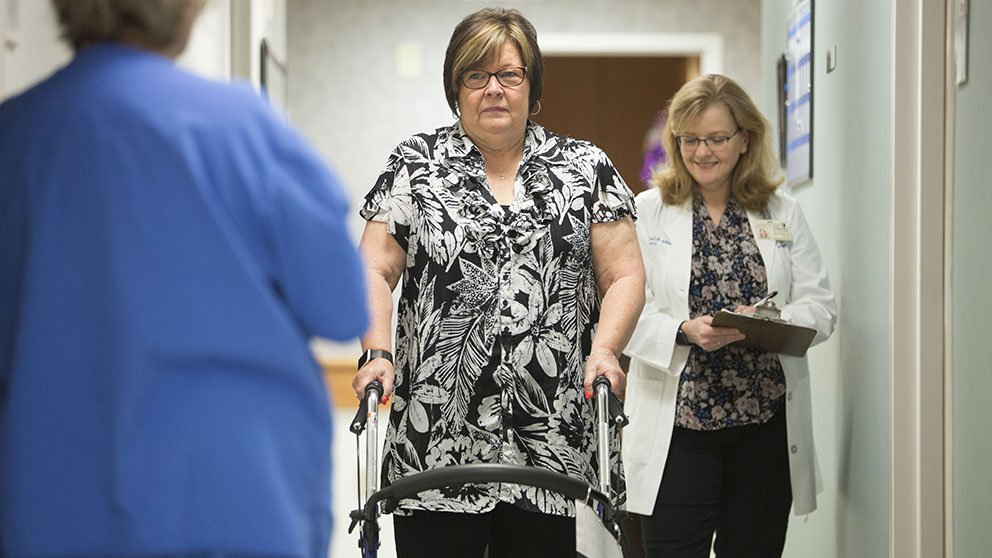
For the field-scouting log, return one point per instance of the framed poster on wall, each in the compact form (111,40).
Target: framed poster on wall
(799,94)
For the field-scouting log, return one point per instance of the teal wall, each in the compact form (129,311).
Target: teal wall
(848,204)
(970,300)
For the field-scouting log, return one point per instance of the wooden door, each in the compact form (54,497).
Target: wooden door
(611,101)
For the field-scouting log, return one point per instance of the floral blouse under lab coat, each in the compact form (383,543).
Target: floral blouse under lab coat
(736,384)
(496,312)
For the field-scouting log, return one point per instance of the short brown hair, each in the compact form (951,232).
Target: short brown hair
(477,41)
(753,180)
(159,23)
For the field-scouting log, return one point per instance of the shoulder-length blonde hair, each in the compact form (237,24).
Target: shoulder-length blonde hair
(477,40)
(753,179)
(161,24)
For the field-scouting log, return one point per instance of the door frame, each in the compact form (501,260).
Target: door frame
(917,267)
(708,46)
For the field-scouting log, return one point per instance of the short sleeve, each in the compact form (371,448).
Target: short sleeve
(612,199)
(390,200)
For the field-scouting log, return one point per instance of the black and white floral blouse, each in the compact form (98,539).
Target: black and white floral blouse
(734,385)
(496,313)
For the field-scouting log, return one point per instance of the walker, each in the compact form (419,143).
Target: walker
(599,499)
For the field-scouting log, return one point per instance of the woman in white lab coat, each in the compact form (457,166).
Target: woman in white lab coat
(720,440)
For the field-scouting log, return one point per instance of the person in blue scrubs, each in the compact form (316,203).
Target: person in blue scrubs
(167,249)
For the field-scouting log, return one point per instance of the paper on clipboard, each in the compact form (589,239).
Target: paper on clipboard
(768,334)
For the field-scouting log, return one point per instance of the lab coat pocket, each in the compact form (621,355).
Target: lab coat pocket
(795,368)
(782,270)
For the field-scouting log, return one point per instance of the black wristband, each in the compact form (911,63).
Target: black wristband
(374,353)
(680,338)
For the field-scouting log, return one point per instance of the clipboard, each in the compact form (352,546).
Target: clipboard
(768,334)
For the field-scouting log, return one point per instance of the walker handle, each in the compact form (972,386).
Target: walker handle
(613,408)
(373,393)
(607,412)
(368,415)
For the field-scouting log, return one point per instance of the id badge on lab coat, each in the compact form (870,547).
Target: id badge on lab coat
(773,229)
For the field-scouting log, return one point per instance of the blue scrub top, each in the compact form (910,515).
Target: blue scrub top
(167,248)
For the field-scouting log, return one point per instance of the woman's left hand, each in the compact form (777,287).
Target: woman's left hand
(602,362)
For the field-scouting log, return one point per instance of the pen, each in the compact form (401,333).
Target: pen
(770,296)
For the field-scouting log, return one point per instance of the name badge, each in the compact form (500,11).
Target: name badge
(774,230)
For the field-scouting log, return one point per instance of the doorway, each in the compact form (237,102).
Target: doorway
(612,101)
(578,109)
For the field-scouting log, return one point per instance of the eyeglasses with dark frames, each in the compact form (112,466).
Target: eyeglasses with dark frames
(511,76)
(714,143)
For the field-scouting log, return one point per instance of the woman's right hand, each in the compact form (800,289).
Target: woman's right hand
(699,331)
(378,369)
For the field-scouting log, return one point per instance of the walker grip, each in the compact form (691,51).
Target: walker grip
(613,407)
(362,416)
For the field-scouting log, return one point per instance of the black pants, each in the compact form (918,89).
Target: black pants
(733,482)
(508,531)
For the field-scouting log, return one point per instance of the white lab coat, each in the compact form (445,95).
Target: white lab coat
(794,269)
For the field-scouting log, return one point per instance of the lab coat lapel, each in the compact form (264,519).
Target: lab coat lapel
(766,246)
(678,229)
